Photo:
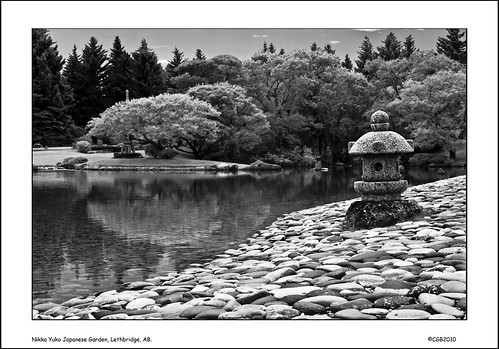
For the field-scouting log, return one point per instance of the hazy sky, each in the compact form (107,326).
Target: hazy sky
(242,43)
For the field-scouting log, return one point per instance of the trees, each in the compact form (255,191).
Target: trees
(242,123)
(391,49)
(408,48)
(119,74)
(347,63)
(329,49)
(86,80)
(313,47)
(147,73)
(51,95)
(161,121)
(271,48)
(452,46)
(178,59)
(435,109)
(365,54)
(199,55)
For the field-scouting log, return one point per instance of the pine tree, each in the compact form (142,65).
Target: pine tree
(313,47)
(281,52)
(329,49)
(409,47)
(147,72)
(391,49)
(51,95)
(119,74)
(365,54)
(347,63)
(271,48)
(265,47)
(87,83)
(200,55)
(73,72)
(452,46)
(178,59)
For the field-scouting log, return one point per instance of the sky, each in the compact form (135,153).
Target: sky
(239,42)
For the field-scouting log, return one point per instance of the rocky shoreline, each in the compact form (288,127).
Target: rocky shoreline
(306,266)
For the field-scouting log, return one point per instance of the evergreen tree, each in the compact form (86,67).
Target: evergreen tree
(265,46)
(87,80)
(51,95)
(347,63)
(271,48)
(147,72)
(452,46)
(409,47)
(281,52)
(313,47)
(178,59)
(119,78)
(392,48)
(329,49)
(365,54)
(200,55)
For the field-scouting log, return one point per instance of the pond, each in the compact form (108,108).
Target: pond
(94,231)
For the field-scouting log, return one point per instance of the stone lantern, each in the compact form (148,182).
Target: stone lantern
(381,186)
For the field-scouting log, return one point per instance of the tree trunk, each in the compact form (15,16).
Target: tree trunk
(452,154)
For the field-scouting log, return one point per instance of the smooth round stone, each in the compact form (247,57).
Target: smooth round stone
(393,302)
(446,309)
(425,232)
(368,280)
(345,286)
(408,314)
(454,295)
(403,264)
(300,290)
(45,306)
(246,299)
(243,313)
(279,273)
(442,317)
(454,287)
(137,285)
(423,288)
(429,299)
(462,303)
(115,317)
(139,303)
(421,251)
(378,312)
(395,274)
(194,311)
(457,276)
(309,308)
(107,298)
(358,304)
(324,300)
(173,310)
(353,314)
(280,312)
(366,270)
(77,301)
(210,314)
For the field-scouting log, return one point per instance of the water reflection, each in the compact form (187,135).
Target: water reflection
(96,230)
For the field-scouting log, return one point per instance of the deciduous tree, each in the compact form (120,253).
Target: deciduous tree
(162,121)
(243,124)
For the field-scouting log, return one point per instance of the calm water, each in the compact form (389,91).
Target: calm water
(96,230)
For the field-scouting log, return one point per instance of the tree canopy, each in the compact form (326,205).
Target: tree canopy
(163,121)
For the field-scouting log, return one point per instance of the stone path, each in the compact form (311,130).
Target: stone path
(305,266)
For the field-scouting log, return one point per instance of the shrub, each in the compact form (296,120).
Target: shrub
(83,146)
(167,153)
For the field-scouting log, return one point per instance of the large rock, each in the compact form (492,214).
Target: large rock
(371,214)
(260,165)
(72,163)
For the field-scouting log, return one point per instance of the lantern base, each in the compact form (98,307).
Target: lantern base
(380,191)
(371,214)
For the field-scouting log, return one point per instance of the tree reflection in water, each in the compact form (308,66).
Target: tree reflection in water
(96,230)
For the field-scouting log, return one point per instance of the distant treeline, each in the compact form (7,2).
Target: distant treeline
(280,106)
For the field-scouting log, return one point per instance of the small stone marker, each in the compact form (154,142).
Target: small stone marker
(381,186)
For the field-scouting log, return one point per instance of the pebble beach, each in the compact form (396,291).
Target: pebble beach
(306,266)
